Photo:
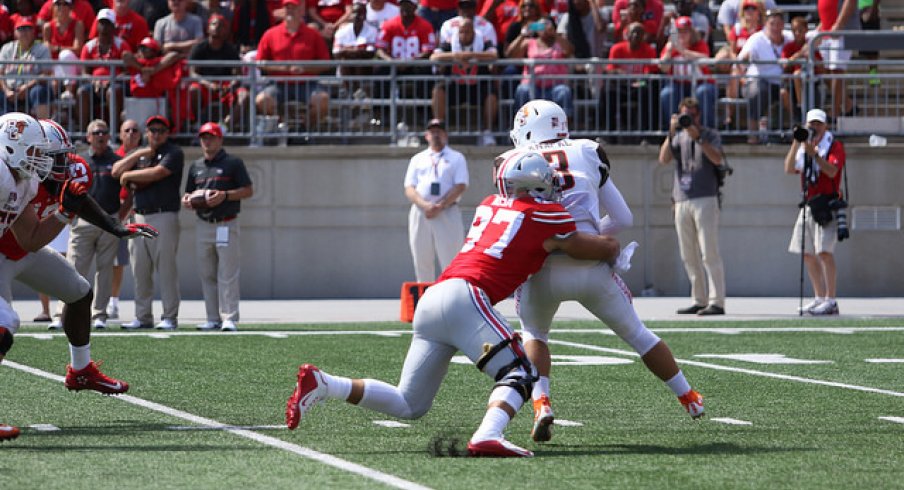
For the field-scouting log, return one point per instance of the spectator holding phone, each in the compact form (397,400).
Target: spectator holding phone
(540,41)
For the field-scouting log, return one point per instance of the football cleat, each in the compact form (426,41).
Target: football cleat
(309,391)
(90,378)
(497,448)
(693,403)
(543,419)
(8,432)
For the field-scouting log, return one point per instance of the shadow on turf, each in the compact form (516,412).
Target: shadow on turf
(720,448)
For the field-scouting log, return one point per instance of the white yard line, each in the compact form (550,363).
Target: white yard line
(730,421)
(897,420)
(304,452)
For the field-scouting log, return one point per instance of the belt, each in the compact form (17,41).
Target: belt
(155,211)
(225,219)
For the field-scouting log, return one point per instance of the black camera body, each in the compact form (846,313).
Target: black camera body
(839,206)
(685,120)
(801,133)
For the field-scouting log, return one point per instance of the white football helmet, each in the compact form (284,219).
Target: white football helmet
(59,149)
(23,145)
(528,171)
(538,121)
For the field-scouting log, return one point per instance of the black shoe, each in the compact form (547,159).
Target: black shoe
(711,310)
(690,310)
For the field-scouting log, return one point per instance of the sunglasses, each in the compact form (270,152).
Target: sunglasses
(100,132)
(129,130)
(158,130)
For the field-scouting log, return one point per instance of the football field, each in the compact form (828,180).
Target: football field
(803,403)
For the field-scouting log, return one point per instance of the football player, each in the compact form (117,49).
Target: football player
(36,211)
(583,168)
(512,233)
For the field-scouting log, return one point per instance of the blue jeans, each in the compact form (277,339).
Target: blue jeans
(560,94)
(37,95)
(672,94)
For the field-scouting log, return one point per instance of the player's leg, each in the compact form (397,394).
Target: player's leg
(9,324)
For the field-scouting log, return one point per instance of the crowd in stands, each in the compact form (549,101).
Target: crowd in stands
(157,41)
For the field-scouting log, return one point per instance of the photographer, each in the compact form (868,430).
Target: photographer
(697,151)
(819,159)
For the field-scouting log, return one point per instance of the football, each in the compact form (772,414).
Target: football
(200,199)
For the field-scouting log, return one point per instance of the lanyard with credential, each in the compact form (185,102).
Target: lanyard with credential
(435,159)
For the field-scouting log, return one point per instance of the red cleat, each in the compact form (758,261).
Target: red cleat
(309,391)
(543,419)
(90,378)
(693,403)
(8,432)
(497,448)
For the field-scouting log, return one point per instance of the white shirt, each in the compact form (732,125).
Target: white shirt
(449,30)
(376,18)
(345,37)
(760,48)
(448,167)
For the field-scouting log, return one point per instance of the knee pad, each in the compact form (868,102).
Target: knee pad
(518,375)
(518,380)
(6,340)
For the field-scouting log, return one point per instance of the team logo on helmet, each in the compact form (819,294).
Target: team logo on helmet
(14,129)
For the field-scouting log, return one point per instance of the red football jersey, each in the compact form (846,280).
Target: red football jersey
(505,243)
(405,43)
(44,205)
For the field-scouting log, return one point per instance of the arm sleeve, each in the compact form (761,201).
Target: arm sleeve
(619,216)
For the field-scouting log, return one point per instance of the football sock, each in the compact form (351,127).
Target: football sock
(114,301)
(384,398)
(494,422)
(337,386)
(679,384)
(541,387)
(80,356)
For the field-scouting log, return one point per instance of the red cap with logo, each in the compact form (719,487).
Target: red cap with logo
(211,128)
(683,22)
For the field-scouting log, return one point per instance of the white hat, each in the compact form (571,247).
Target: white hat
(108,15)
(816,115)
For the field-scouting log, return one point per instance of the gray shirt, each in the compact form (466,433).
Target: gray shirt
(11,51)
(168,30)
(695,174)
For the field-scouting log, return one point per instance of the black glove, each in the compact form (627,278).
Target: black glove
(135,230)
(72,198)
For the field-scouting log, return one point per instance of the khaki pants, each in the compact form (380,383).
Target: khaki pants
(440,237)
(219,270)
(697,224)
(156,255)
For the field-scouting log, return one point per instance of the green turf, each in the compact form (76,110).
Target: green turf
(634,432)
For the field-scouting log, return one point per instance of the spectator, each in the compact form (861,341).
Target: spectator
(467,9)
(130,26)
(679,57)
(130,139)
(179,31)
(65,36)
(216,7)
(292,40)
(684,8)
(328,15)
(221,182)
(751,21)
(95,95)
(797,50)
(763,84)
(250,20)
(436,12)
(728,14)
(406,37)
(820,161)
(465,50)
(647,12)
(217,84)
(81,10)
(155,75)
(501,13)
(837,15)
(435,179)
(588,33)
(629,102)
(25,9)
(355,40)
(528,13)
(28,93)
(89,243)
(539,80)
(7,24)
(150,10)
(697,151)
(379,11)
(870,21)
(154,174)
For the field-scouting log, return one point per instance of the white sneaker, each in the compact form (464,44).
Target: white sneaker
(56,324)
(112,312)
(166,324)
(208,325)
(229,326)
(100,323)
(487,138)
(828,307)
(135,325)
(809,306)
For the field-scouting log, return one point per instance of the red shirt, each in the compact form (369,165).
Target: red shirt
(405,43)
(505,243)
(45,204)
(651,17)
(165,79)
(91,51)
(738,36)
(440,4)
(506,13)
(790,49)
(828,11)
(824,184)
(684,71)
(278,44)
(81,9)
(6,24)
(60,39)
(332,10)
(622,51)
(132,28)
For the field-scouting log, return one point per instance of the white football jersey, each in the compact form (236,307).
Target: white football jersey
(14,196)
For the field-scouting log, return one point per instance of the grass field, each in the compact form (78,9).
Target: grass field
(825,410)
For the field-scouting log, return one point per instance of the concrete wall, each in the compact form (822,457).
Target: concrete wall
(331,222)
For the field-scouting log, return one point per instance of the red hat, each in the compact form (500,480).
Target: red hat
(750,3)
(293,2)
(150,43)
(683,22)
(25,22)
(211,128)
(214,17)
(158,119)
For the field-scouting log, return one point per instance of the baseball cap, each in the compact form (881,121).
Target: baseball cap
(410,1)
(25,22)
(436,123)
(467,3)
(214,17)
(683,22)
(293,2)
(158,119)
(150,43)
(750,3)
(211,128)
(816,115)
(107,15)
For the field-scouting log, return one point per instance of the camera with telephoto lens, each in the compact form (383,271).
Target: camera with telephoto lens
(801,133)
(685,120)
(839,205)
